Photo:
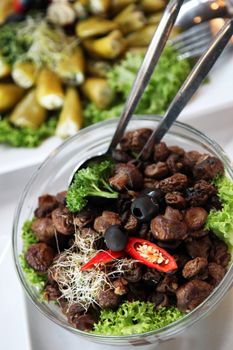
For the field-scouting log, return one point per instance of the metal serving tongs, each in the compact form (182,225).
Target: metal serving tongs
(192,83)
(151,58)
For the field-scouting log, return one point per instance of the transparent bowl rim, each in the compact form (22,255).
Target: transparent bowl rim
(170,329)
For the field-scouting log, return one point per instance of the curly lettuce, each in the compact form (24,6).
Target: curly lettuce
(169,75)
(94,115)
(13,46)
(32,277)
(165,81)
(221,221)
(26,137)
(135,317)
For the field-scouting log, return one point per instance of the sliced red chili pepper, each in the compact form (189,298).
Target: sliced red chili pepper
(150,254)
(102,257)
(19,5)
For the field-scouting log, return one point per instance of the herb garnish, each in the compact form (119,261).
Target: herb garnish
(91,181)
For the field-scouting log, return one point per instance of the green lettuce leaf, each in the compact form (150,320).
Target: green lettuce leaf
(135,317)
(169,75)
(94,115)
(26,137)
(32,277)
(165,81)
(13,46)
(221,221)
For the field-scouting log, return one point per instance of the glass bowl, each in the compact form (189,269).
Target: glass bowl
(54,175)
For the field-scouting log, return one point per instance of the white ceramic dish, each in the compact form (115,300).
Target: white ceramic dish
(212,97)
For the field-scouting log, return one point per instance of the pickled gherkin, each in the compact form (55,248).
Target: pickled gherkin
(71,68)
(153,5)
(5,68)
(28,112)
(118,5)
(49,90)
(142,37)
(109,47)
(154,18)
(137,50)
(99,7)
(10,94)
(94,26)
(81,8)
(130,19)
(98,91)
(71,116)
(24,73)
(98,68)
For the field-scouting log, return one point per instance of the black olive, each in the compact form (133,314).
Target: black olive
(115,238)
(145,192)
(156,194)
(35,4)
(144,208)
(26,5)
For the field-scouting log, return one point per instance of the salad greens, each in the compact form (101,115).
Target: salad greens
(31,276)
(13,46)
(169,75)
(28,236)
(91,181)
(135,317)
(94,115)
(26,137)
(221,221)
(34,39)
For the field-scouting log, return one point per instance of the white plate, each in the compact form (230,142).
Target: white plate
(12,159)
(214,96)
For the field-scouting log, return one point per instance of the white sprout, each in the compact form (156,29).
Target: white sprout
(75,285)
(83,287)
(85,243)
(121,266)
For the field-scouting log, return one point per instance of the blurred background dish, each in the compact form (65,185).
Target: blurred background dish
(75,52)
(215,97)
(105,83)
(94,47)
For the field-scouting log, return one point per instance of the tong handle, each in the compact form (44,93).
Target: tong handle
(150,60)
(192,83)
